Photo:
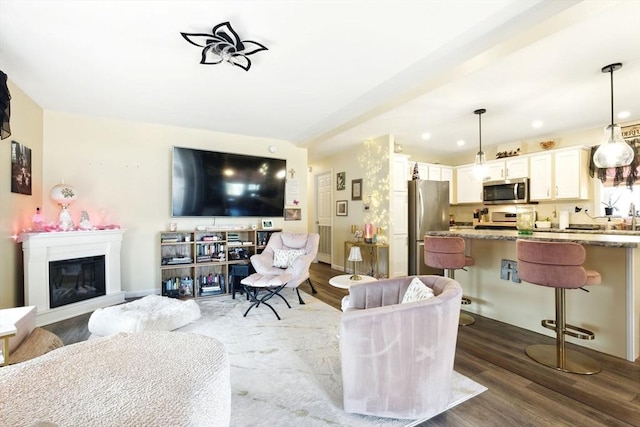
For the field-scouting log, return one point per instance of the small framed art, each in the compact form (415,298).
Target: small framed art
(341,208)
(267,223)
(356,189)
(341,180)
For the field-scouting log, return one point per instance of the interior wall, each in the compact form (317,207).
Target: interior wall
(368,161)
(16,210)
(122,172)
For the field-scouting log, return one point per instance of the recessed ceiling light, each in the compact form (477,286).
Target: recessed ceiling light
(426,135)
(624,114)
(460,142)
(537,124)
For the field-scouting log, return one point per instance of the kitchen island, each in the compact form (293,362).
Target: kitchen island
(611,310)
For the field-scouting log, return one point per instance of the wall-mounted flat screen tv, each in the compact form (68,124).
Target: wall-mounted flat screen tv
(210,183)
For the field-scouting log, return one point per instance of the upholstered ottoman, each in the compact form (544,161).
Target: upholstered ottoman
(129,379)
(262,287)
(151,313)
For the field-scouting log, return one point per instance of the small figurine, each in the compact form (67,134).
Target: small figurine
(85,223)
(416,172)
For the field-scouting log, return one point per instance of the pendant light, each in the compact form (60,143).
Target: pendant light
(614,150)
(480,169)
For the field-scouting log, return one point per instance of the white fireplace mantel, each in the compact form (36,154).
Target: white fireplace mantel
(41,248)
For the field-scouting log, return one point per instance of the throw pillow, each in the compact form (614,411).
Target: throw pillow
(417,291)
(283,258)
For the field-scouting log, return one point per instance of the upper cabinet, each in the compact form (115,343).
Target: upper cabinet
(562,174)
(399,175)
(515,167)
(469,189)
(435,172)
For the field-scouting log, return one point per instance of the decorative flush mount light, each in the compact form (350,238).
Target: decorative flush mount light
(614,151)
(480,168)
(224,45)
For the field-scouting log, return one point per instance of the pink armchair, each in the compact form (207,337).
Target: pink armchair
(397,358)
(288,253)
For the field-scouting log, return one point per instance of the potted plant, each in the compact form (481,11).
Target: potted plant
(610,206)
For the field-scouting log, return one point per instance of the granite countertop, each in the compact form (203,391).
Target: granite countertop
(577,236)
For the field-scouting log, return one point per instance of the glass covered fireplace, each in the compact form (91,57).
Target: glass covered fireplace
(78,279)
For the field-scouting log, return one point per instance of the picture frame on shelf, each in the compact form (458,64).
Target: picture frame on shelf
(267,223)
(356,189)
(342,208)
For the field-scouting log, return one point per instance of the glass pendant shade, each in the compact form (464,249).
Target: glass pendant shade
(480,169)
(614,150)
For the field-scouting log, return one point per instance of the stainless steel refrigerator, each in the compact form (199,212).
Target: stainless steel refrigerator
(428,211)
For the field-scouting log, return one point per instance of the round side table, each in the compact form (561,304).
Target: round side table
(343,282)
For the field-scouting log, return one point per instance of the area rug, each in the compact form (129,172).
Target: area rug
(287,372)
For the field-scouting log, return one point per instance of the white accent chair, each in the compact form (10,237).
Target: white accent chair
(284,242)
(397,358)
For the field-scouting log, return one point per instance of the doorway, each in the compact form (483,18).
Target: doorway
(323,215)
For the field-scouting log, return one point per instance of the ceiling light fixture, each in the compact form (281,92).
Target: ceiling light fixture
(426,136)
(614,151)
(480,168)
(224,45)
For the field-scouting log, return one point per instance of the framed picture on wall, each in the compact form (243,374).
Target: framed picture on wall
(356,189)
(293,214)
(20,168)
(267,223)
(341,208)
(341,180)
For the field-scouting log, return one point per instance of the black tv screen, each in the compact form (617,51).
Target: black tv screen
(209,183)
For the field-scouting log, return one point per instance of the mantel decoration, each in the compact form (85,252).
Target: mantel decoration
(64,194)
(224,45)
(614,151)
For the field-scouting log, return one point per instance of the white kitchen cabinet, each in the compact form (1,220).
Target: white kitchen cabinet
(561,174)
(398,217)
(447,175)
(541,177)
(399,175)
(516,167)
(398,265)
(572,174)
(469,190)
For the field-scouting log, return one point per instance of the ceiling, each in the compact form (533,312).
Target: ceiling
(335,73)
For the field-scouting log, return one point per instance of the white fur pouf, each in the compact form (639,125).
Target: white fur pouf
(151,313)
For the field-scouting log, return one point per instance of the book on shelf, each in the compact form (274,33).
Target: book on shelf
(170,240)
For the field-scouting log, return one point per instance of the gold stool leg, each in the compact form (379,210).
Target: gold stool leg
(558,357)
(465,319)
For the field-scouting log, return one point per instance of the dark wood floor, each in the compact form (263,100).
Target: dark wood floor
(520,391)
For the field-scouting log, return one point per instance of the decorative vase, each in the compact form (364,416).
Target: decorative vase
(525,218)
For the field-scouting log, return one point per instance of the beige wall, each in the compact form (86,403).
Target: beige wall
(16,210)
(122,171)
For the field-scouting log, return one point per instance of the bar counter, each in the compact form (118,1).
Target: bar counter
(611,310)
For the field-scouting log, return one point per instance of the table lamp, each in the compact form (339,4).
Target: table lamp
(355,256)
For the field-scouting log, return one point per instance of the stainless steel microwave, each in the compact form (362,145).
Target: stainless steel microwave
(508,191)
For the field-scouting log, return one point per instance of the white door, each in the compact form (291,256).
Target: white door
(324,204)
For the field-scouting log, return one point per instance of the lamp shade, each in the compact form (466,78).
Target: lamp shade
(355,254)
(614,150)
(63,194)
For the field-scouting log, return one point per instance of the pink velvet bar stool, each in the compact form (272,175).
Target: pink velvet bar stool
(448,253)
(558,265)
